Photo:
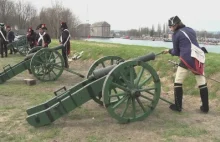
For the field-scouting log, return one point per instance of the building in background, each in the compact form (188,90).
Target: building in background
(83,30)
(100,29)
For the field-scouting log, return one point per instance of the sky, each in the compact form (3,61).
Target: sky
(133,14)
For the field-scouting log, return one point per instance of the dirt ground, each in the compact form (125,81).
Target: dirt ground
(92,123)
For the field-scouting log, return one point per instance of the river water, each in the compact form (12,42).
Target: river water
(210,48)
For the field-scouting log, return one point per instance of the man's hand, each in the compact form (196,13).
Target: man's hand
(45,44)
(166,51)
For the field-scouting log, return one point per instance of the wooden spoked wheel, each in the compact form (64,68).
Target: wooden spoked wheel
(102,63)
(47,65)
(131,91)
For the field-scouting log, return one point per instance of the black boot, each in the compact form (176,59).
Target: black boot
(15,51)
(2,55)
(204,98)
(6,51)
(178,96)
(6,54)
(11,51)
(66,63)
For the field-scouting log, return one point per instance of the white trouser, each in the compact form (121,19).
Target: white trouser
(181,74)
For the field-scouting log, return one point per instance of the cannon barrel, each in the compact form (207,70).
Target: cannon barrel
(35,49)
(98,73)
(145,58)
(29,56)
(57,47)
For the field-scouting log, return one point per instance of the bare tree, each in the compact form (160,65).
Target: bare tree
(152,32)
(25,12)
(25,15)
(72,21)
(159,31)
(6,11)
(167,28)
(53,17)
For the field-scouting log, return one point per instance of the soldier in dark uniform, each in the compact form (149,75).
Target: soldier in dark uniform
(10,37)
(3,40)
(31,37)
(183,37)
(42,38)
(65,40)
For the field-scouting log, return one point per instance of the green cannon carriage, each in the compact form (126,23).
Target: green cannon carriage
(46,64)
(20,44)
(129,90)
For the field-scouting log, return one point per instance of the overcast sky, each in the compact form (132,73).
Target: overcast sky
(127,14)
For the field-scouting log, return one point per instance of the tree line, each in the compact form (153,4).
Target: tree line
(23,15)
(163,31)
(146,31)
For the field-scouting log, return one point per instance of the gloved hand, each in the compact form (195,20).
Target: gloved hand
(204,50)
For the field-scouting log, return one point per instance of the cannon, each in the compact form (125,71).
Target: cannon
(20,44)
(129,90)
(46,64)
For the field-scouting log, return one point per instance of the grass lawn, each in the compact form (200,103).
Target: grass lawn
(91,122)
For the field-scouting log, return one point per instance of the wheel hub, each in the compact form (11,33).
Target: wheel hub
(135,93)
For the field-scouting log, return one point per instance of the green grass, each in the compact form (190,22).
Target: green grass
(93,138)
(95,124)
(183,130)
(94,50)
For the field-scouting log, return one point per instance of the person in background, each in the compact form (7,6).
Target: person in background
(3,41)
(182,48)
(31,36)
(65,40)
(10,37)
(42,38)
